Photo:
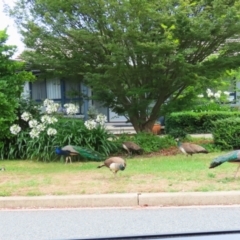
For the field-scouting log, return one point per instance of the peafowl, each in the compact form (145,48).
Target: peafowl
(190,148)
(70,150)
(114,164)
(2,169)
(132,147)
(231,157)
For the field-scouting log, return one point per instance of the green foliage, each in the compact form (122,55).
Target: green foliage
(226,133)
(12,78)
(134,54)
(194,122)
(69,132)
(212,106)
(73,131)
(148,142)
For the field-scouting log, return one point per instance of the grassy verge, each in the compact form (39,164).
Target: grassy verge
(156,174)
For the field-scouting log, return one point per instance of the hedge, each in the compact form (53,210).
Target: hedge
(195,122)
(226,133)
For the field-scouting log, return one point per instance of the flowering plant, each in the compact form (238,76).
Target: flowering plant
(92,112)
(100,121)
(37,135)
(36,126)
(71,109)
(212,101)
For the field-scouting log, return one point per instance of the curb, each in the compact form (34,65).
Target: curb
(124,200)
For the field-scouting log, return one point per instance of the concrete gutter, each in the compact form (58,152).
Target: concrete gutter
(103,200)
(124,200)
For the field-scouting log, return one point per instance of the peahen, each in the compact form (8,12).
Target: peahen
(190,148)
(231,157)
(70,150)
(132,147)
(114,164)
(2,169)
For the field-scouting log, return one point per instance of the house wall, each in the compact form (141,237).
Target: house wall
(65,91)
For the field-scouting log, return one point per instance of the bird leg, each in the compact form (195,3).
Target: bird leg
(237,171)
(114,173)
(68,158)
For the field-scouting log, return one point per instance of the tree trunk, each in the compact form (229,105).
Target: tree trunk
(142,127)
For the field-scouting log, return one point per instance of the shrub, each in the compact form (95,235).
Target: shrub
(226,133)
(12,79)
(147,141)
(38,139)
(193,122)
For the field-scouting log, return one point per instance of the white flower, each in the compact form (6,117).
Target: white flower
(101,119)
(71,108)
(26,116)
(33,123)
(90,124)
(209,92)
(47,102)
(219,91)
(217,95)
(15,129)
(226,93)
(34,133)
(51,131)
(51,108)
(200,95)
(48,119)
(40,127)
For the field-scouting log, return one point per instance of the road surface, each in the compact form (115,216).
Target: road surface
(106,222)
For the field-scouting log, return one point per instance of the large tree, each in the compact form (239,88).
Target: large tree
(135,54)
(12,79)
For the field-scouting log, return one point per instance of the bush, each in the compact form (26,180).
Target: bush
(12,79)
(193,122)
(147,141)
(69,132)
(226,133)
(38,141)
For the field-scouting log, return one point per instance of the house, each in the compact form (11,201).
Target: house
(74,91)
(68,91)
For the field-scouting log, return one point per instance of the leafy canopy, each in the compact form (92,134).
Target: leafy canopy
(12,78)
(135,54)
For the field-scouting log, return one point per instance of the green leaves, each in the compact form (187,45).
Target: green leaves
(12,78)
(69,132)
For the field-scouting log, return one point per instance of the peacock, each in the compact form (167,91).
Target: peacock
(132,147)
(190,148)
(231,157)
(70,150)
(114,164)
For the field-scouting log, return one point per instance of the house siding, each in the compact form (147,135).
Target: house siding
(68,91)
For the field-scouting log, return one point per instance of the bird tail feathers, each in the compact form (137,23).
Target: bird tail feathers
(89,153)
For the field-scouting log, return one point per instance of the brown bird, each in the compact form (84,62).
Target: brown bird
(2,169)
(190,148)
(114,164)
(132,147)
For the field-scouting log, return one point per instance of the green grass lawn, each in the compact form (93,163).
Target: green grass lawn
(177,173)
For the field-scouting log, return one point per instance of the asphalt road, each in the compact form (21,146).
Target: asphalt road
(86,223)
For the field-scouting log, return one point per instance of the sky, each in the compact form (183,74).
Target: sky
(14,38)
